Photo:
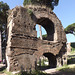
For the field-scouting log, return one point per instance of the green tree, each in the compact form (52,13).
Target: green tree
(3,24)
(48,3)
(70,29)
(3,15)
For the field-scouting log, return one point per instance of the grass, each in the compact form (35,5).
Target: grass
(5,71)
(71,57)
(73,52)
(36,72)
(63,67)
(67,68)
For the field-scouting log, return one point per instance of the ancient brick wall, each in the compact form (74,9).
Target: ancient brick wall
(23,46)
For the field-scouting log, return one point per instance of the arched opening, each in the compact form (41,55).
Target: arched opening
(43,32)
(48,25)
(43,63)
(51,59)
(46,61)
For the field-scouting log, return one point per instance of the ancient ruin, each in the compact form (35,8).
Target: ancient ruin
(68,48)
(23,46)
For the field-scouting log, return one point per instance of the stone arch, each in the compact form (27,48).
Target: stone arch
(51,17)
(22,40)
(48,25)
(44,49)
(52,59)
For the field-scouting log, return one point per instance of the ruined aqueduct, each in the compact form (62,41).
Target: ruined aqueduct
(23,46)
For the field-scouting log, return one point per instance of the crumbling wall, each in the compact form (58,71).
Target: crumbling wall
(22,41)
(23,46)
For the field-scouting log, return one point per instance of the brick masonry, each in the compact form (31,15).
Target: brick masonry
(23,46)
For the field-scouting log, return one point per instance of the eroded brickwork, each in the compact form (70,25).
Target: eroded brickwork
(23,46)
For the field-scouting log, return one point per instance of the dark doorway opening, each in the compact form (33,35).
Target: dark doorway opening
(47,61)
(51,58)
(48,25)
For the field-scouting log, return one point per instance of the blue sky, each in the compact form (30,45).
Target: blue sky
(65,11)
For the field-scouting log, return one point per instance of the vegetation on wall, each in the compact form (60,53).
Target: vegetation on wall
(48,3)
(30,11)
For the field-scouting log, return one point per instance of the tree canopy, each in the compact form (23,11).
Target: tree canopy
(3,12)
(48,3)
(3,24)
(70,29)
